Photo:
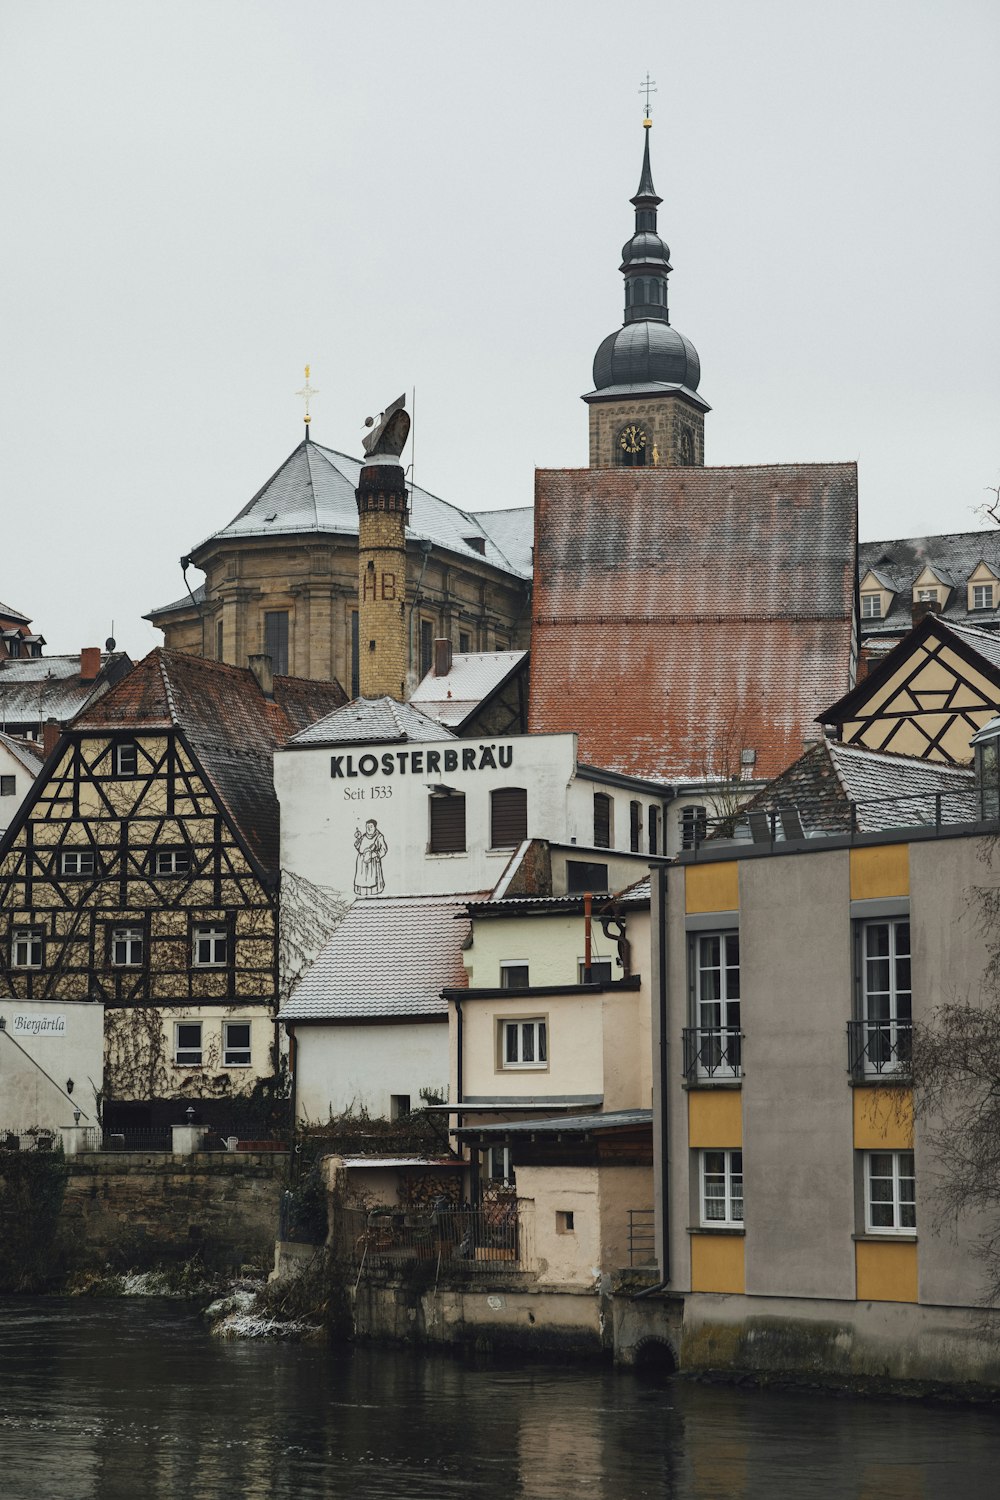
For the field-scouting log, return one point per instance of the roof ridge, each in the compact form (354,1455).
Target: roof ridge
(916,761)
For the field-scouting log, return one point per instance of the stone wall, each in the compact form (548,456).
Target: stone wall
(136,1210)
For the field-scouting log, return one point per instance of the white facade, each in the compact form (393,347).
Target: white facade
(18,769)
(51,1062)
(368,1069)
(356,819)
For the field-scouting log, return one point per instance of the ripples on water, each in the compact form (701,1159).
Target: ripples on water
(134,1401)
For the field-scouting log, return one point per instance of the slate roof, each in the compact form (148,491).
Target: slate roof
(6,613)
(229,724)
(373,721)
(473,677)
(390,957)
(616,1119)
(27,752)
(37,688)
(313,491)
(953,557)
(890,791)
(676,609)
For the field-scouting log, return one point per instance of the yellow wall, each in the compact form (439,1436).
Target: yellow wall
(886,1271)
(880,872)
(714,887)
(883,1119)
(715,1118)
(717,1263)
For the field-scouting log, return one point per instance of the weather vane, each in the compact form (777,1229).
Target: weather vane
(305,393)
(647,87)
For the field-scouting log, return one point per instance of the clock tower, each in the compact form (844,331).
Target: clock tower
(645,409)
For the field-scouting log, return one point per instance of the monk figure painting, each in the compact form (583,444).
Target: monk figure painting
(372,849)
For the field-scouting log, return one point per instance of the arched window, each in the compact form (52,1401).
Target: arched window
(687,446)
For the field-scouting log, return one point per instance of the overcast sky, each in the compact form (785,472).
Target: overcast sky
(199,198)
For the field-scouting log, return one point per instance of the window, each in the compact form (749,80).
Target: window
(722,1189)
(583,875)
(187,1044)
(171,861)
(236,1044)
(654,830)
(126,758)
(127,947)
(464,642)
(77,862)
(210,946)
(982,596)
(717,1041)
(514,976)
(8,786)
(564,1221)
(890,1192)
(635,826)
(399,1106)
(523,1044)
(448,824)
(355,655)
(694,825)
(26,948)
(426,646)
(886,994)
(508,817)
(927,596)
(600,971)
(497,1165)
(687,444)
(276,640)
(871,606)
(602,820)
(219,640)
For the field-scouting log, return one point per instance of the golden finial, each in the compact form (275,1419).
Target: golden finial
(305,393)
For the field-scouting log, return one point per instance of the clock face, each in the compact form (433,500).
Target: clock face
(633,439)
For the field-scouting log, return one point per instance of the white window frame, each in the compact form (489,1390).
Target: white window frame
(189,1057)
(725,1167)
(165,861)
(521,1028)
(214,934)
(881,1007)
(23,944)
(596,963)
(897,1169)
(720,1013)
(234,1056)
(507,965)
(497,1155)
(8,786)
(927,596)
(130,749)
(128,938)
(985,590)
(871,606)
(71,862)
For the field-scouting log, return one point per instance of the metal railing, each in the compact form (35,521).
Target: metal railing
(473,1239)
(877,1048)
(133,1138)
(712,1052)
(641,1237)
(784,823)
(28,1138)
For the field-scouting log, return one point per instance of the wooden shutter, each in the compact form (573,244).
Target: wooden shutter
(635,825)
(508,817)
(448,824)
(602,820)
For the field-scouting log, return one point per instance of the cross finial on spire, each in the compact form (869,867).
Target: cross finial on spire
(647,87)
(305,393)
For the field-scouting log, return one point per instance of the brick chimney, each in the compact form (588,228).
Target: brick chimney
(90,663)
(263,670)
(924,607)
(442,658)
(50,735)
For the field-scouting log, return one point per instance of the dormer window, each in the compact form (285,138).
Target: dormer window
(871,606)
(982,596)
(927,596)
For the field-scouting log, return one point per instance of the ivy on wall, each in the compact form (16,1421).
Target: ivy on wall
(32,1188)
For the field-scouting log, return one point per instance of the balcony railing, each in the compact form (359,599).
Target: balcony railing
(474,1239)
(878,1048)
(712,1053)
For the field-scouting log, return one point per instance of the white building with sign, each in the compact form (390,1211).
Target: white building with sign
(51,1064)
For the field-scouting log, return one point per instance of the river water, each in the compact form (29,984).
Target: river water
(133,1400)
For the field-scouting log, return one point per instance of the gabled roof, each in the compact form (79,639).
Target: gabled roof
(27,752)
(6,613)
(227,721)
(474,677)
(676,609)
(390,958)
(36,688)
(313,491)
(980,648)
(952,557)
(889,791)
(373,721)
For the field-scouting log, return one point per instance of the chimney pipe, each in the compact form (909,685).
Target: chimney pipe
(90,663)
(924,607)
(51,730)
(263,670)
(442,658)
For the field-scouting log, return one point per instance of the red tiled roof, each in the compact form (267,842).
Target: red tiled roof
(227,721)
(680,611)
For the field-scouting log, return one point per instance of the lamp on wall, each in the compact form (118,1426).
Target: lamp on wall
(69,1085)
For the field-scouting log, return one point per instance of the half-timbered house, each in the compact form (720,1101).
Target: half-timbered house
(142,874)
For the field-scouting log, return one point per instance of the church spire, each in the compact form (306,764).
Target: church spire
(645,258)
(646,189)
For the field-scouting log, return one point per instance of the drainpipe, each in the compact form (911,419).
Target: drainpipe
(659,884)
(588,907)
